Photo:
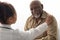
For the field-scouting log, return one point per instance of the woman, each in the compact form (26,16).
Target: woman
(8,17)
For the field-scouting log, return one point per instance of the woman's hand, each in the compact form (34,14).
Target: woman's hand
(49,19)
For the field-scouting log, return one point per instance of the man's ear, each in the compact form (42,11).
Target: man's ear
(42,6)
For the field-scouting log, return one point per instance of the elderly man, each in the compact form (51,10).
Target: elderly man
(38,17)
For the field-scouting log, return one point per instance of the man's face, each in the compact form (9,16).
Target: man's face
(36,10)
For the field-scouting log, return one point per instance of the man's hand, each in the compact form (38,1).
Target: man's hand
(49,19)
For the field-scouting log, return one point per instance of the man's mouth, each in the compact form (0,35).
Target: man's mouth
(36,16)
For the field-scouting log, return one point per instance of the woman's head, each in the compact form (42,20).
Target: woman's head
(7,13)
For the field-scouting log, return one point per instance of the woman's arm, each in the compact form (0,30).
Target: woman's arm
(34,32)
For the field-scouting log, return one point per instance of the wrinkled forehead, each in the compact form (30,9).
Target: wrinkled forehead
(33,3)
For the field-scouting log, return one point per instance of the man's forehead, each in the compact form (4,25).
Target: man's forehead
(34,6)
(35,3)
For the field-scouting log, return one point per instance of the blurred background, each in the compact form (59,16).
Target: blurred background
(23,11)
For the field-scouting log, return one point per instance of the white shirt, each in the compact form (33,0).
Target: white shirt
(10,34)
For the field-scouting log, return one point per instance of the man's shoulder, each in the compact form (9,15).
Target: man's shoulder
(48,14)
(51,16)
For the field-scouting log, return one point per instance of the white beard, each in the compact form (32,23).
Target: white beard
(37,16)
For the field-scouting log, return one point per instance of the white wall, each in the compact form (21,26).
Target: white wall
(23,11)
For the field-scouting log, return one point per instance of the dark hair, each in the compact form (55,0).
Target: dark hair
(6,11)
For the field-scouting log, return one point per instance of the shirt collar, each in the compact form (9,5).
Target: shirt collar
(4,25)
(44,15)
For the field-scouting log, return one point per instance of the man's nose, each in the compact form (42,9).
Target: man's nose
(33,10)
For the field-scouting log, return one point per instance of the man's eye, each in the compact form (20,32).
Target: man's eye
(31,9)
